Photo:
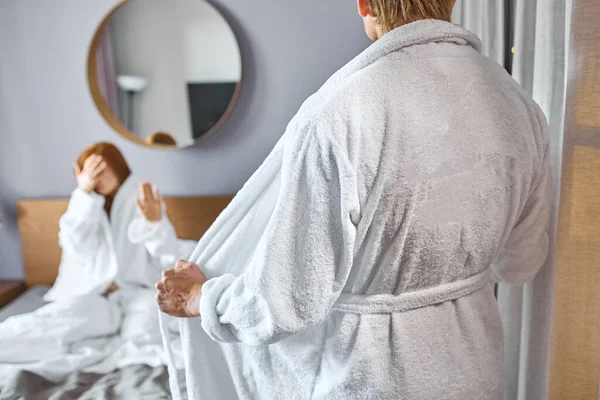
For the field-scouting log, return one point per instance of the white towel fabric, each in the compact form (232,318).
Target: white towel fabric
(51,331)
(80,329)
(87,333)
(356,262)
(98,251)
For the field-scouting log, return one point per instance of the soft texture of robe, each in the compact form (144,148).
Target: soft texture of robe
(96,251)
(357,262)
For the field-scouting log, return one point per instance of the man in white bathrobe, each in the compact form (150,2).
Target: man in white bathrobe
(358,261)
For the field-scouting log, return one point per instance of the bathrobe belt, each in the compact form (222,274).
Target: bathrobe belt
(389,303)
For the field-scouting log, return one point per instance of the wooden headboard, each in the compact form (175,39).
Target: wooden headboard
(38,226)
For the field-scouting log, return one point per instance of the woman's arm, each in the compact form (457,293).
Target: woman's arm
(154,230)
(80,225)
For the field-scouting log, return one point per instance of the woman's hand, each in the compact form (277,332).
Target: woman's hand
(180,290)
(150,204)
(87,177)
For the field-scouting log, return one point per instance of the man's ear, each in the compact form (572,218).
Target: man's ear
(364,10)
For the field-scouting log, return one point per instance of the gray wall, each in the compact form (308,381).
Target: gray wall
(47,116)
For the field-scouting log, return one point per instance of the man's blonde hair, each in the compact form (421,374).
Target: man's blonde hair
(391,14)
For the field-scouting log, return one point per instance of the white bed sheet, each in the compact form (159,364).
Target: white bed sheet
(136,342)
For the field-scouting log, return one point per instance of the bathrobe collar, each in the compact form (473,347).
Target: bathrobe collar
(124,195)
(416,33)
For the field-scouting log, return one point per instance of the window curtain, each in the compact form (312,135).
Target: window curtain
(105,68)
(539,64)
(575,367)
(487,19)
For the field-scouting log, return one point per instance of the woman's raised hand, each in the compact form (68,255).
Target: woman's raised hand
(149,203)
(87,177)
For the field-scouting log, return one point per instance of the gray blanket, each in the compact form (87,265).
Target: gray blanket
(135,382)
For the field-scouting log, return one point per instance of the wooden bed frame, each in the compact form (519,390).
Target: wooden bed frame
(38,226)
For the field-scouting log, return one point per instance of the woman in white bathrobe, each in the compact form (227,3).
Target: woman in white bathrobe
(114,230)
(114,246)
(358,261)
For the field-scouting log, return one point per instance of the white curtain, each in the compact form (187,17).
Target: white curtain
(541,38)
(542,35)
(486,18)
(105,68)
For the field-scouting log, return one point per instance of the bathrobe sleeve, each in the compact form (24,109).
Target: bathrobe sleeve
(80,226)
(160,240)
(304,257)
(527,247)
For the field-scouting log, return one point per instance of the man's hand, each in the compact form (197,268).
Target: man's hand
(180,290)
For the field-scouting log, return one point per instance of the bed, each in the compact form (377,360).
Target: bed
(38,226)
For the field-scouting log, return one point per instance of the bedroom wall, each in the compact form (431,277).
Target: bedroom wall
(47,116)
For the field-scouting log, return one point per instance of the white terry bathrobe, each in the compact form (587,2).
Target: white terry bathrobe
(97,251)
(123,249)
(357,262)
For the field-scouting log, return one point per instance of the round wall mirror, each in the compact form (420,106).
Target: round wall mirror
(164,73)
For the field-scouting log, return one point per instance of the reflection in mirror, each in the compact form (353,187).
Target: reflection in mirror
(165,73)
(161,138)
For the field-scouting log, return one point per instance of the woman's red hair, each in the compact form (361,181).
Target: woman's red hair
(114,161)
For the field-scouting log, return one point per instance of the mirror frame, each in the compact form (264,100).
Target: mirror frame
(113,120)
